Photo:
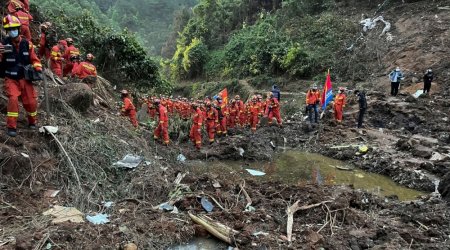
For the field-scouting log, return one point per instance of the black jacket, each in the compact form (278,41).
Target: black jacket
(362,100)
(428,78)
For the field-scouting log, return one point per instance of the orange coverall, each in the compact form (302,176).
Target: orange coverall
(15,88)
(83,70)
(56,60)
(232,116)
(129,110)
(70,52)
(25,20)
(273,111)
(195,133)
(162,130)
(222,123)
(212,119)
(255,112)
(338,106)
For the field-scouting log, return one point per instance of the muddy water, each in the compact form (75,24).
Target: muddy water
(294,167)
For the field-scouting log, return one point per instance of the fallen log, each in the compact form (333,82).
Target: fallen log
(219,230)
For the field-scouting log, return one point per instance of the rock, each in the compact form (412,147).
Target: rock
(410,98)
(444,187)
(78,95)
(421,151)
(130,246)
(313,237)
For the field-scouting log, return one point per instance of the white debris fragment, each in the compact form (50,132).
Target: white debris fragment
(371,23)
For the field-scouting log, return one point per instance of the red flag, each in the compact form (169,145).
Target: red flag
(327,95)
(224,95)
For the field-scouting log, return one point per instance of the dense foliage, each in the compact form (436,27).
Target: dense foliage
(119,55)
(150,19)
(245,38)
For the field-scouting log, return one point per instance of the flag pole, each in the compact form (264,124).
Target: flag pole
(323,111)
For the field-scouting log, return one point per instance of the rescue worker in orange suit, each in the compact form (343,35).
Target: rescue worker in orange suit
(240,108)
(56,58)
(312,101)
(232,114)
(212,119)
(25,19)
(196,128)
(71,55)
(128,108)
(16,52)
(151,109)
(85,69)
(44,50)
(255,112)
(162,130)
(273,110)
(222,111)
(13,4)
(339,104)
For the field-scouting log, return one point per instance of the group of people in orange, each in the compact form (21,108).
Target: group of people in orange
(216,115)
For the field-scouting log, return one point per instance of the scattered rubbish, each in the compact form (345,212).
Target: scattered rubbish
(363,149)
(108,204)
(49,129)
(124,142)
(166,207)
(148,163)
(241,151)
(65,214)
(98,219)
(272,145)
(181,158)
(359,175)
(7,240)
(260,233)
(124,229)
(255,172)
(418,93)
(250,209)
(51,193)
(206,204)
(123,210)
(48,246)
(438,157)
(216,184)
(344,168)
(25,155)
(96,120)
(370,23)
(129,161)
(444,8)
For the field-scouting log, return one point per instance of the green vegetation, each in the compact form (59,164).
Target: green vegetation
(151,20)
(119,55)
(239,38)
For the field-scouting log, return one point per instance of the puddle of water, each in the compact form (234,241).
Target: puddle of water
(201,244)
(293,167)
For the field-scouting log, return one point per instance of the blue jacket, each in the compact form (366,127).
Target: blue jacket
(276,92)
(396,76)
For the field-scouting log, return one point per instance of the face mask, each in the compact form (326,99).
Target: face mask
(14,33)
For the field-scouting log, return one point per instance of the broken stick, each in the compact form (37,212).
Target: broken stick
(68,158)
(247,197)
(294,208)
